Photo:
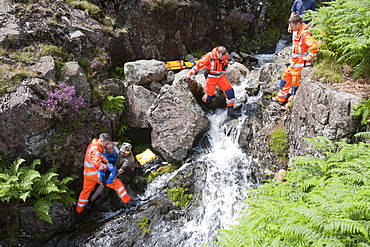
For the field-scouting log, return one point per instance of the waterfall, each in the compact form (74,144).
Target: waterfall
(268,58)
(228,170)
(228,174)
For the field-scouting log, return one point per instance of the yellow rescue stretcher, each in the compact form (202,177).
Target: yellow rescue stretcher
(180,64)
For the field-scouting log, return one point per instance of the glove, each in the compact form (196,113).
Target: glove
(111,167)
(103,167)
(185,77)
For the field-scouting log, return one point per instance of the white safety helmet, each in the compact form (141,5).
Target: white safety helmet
(126,147)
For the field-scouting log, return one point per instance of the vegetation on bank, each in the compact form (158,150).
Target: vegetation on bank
(324,202)
(180,196)
(342,27)
(22,185)
(279,144)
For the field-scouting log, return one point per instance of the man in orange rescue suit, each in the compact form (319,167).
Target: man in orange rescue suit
(303,52)
(94,161)
(216,63)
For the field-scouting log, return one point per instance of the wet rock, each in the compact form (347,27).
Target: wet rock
(62,220)
(177,121)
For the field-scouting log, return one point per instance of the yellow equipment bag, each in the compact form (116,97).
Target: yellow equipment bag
(145,156)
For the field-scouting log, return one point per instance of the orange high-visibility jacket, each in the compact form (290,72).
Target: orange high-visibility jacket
(94,158)
(304,48)
(215,66)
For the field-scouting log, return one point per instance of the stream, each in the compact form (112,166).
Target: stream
(226,172)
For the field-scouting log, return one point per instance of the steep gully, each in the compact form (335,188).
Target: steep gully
(228,171)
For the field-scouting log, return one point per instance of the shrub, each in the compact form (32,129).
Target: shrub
(342,26)
(62,102)
(144,224)
(324,202)
(239,20)
(25,183)
(97,65)
(362,110)
(112,103)
(160,6)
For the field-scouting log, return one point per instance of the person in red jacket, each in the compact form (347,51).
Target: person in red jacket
(303,52)
(95,161)
(216,63)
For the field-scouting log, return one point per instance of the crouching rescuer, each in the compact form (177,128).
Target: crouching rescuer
(216,63)
(303,52)
(94,164)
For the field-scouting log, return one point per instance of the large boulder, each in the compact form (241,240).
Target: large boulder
(143,72)
(23,127)
(62,217)
(177,121)
(138,101)
(319,111)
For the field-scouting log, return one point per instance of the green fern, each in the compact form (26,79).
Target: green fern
(324,202)
(28,185)
(362,110)
(343,28)
(112,103)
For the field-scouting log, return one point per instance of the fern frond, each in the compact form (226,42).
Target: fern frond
(321,142)
(35,163)
(46,188)
(300,232)
(67,199)
(365,135)
(345,227)
(25,195)
(15,166)
(41,209)
(27,178)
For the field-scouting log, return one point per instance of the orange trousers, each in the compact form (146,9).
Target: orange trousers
(89,185)
(223,83)
(291,79)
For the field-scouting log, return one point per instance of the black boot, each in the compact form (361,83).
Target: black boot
(231,113)
(133,204)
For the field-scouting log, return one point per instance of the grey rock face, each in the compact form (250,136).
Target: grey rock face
(46,67)
(74,75)
(143,72)
(23,126)
(319,111)
(139,100)
(176,120)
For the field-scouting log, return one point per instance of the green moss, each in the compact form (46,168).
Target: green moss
(198,53)
(179,196)
(279,144)
(22,59)
(328,71)
(161,6)
(144,224)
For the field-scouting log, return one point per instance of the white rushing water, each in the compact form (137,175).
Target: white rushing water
(228,169)
(268,58)
(228,174)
